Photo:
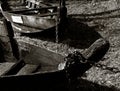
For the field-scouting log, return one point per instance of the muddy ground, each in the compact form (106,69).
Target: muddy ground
(90,20)
(104,16)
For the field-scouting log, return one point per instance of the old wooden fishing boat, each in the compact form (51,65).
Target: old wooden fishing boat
(43,69)
(40,68)
(30,16)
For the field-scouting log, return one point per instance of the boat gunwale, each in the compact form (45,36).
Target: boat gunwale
(35,15)
(33,9)
(16,12)
(33,74)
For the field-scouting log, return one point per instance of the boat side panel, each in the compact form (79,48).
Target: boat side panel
(31,20)
(38,55)
(24,29)
(48,81)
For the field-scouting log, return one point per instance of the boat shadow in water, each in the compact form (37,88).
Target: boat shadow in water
(73,33)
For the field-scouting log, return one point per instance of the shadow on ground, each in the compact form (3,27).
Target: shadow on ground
(73,33)
(97,16)
(85,85)
(78,35)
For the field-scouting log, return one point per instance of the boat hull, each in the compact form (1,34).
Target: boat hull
(46,76)
(25,29)
(31,21)
(48,81)
(37,18)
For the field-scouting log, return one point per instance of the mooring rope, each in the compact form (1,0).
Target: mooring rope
(57,29)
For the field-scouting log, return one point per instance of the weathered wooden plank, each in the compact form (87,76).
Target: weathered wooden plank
(25,29)
(43,56)
(4,67)
(15,68)
(27,69)
(47,68)
(33,9)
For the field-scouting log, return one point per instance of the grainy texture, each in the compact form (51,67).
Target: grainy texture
(4,67)
(27,69)
(103,17)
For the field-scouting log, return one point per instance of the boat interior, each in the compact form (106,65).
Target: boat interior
(36,60)
(28,7)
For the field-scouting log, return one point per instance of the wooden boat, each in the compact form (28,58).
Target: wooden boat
(32,15)
(43,69)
